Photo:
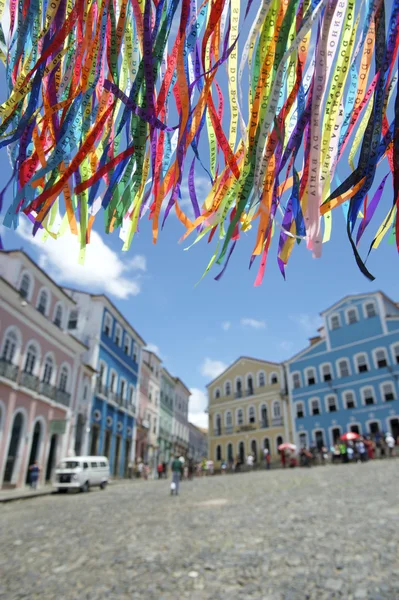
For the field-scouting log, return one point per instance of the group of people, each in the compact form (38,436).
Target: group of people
(360,450)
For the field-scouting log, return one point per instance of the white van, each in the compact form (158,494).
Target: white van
(81,472)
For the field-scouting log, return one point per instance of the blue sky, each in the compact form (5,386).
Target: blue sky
(198,330)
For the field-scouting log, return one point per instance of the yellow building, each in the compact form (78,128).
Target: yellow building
(248,411)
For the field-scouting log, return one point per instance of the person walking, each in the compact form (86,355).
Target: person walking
(177,468)
(266,454)
(160,470)
(390,442)
(34,471)
(282,452)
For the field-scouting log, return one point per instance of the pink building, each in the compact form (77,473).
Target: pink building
(45,386)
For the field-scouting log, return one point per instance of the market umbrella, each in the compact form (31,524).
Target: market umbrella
(351,435)
(286,446)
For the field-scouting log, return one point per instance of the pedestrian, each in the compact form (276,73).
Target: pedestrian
(165,469)
(34,471)
(282,452)
(224,467)
(370,449)
(344,452)
(266,454)
(190,469)
(146,470)
(361,450)
(390,442)
(140,468)
(160,470)
(177,468)
(250,461)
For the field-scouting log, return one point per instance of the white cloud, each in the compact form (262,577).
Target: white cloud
(254,323)
(153,348)
(198,404)
(212,368)
(226,325)
(308,323)
(103,270)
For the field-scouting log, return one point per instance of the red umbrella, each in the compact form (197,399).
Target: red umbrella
(351,435)
(286,446)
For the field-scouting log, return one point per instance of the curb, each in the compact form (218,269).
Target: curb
(4,499)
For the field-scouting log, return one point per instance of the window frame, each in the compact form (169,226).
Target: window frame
(375,361)
(251,409)
(311,400)
(127,342)
(355,359)
(329,365)
(349,310)
(238,410)
(58,306)
(216,393)
(345,401)
(117,329)
(348,363)
(381,386)
(274,374)
(368,303)
(29,294)
(227,383)
(108,321)
(298,373)
(363,396)
(307,376)
(300,403)
(45,312)
(331,317)
(395,356)
(259,375)
(327,404)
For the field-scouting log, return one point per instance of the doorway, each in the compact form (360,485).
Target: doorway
(355,429)
(107,443)
(394,423)
(79,435)
(254,450)
(335,434)
(34,449)
(95,430)
(117,452)
(319,438)
(51,456)
(241,452)
(374,427)
(14,446)
(127,458)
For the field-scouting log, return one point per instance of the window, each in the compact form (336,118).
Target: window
(240,416)
(42,302)
(31,358)
(361,363)
(135,357)
(370,310)
(335,322)
(48,369)
(388,391)
(251,414)
(326,372)
(93,465)
(395,351)
(279,441)
(85,465)
(352,316)
(229,419)
(238,388)
(250,386)
(113,381)
(25,285)
(276,409)
(319,438)
(230,454)
(218,452)
(123,389)
(63,379)
(311,376)
(217,393)
(131,394)
(368,396)
(58,316)
(73,319)
(261,379)
(10,346)
(331,402)
(314,406)
(107,325)
(154,430)
(349,400)
(127,345)
(227,388)
(118,335)
(263,416)
(299,410)
(273,378)
(296,380)
(343,368)
(218,422)
(380,358)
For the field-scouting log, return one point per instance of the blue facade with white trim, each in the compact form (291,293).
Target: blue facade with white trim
(348,378)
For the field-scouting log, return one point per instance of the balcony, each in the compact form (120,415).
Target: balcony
(101,388)
(249,392)
(29,381)
(277,422)
(264,424)
(228,429)
(45,389)
(249,427)
(217,431)
(8,370)
(238,394)
(62,397)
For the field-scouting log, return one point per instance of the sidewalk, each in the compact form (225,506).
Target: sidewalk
(26,493)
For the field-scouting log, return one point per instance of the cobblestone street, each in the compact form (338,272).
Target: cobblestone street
(320,533)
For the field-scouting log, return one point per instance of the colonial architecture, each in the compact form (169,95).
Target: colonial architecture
(248,410)
(180,418)
(197,442)
(165,439)
(150,391)
(115,351)
(45,383)
(347,378)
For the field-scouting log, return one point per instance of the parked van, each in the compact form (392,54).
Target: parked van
(81,472)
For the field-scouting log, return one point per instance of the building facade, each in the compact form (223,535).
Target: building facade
(115,351)
(45,385)
(197,443)
(347,379)
(248,411)
(180,418)
(153,364)
(165,438)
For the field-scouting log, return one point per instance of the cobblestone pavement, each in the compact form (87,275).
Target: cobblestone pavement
(320,533)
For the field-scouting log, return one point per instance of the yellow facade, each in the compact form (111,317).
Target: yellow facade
(248,409)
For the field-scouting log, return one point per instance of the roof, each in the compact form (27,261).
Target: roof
(153,354)
(359,296)
(113,307)
(178,380)
(41,270)
(266,362)
(167,373)
(199,429)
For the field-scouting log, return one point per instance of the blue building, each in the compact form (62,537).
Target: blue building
(115,353)
(347,379)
